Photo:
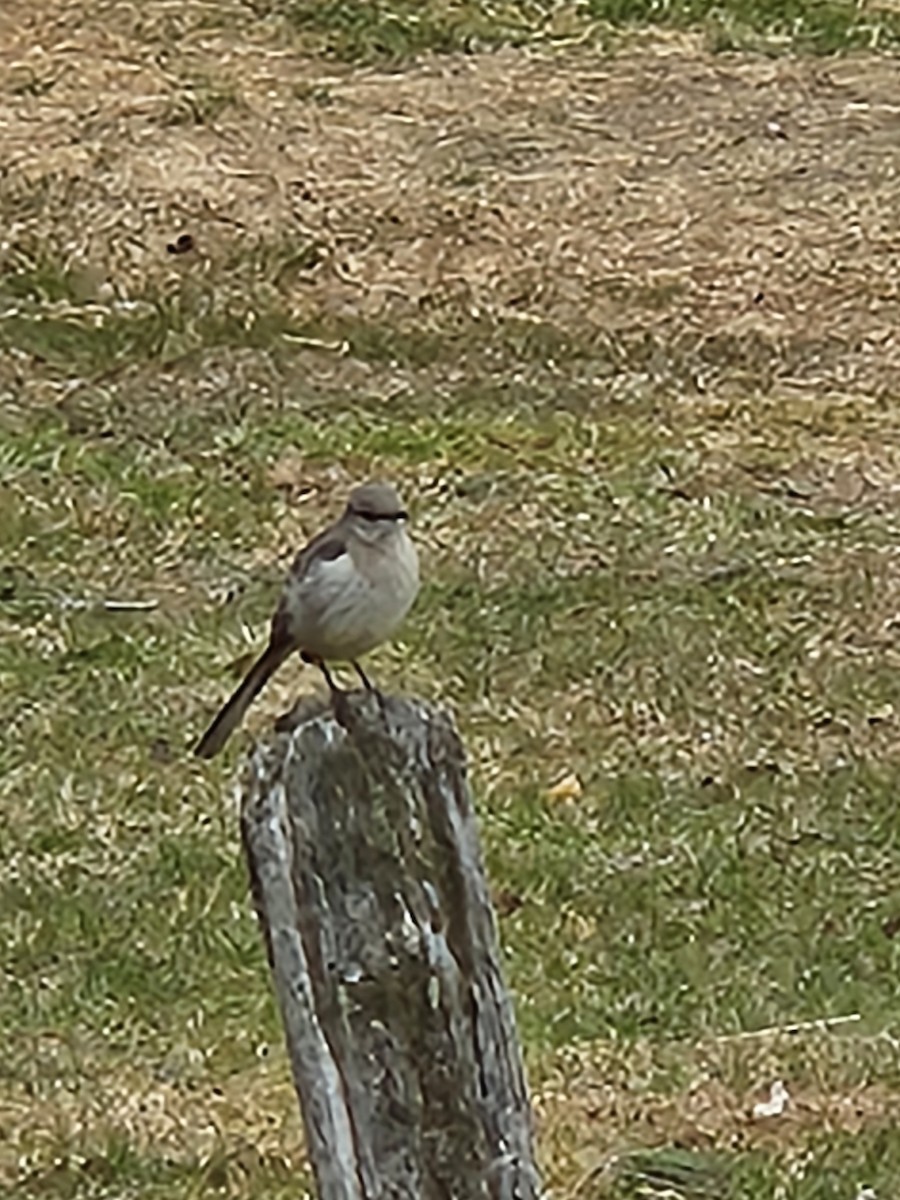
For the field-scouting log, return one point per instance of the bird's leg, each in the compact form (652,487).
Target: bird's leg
(315,661)
(332,686)
(366,682)
(370,687)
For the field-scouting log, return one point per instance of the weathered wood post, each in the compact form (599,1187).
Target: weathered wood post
(367,877)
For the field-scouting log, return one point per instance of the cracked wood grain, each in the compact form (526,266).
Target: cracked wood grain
(368,880)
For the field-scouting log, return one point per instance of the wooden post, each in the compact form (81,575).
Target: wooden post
(367,877)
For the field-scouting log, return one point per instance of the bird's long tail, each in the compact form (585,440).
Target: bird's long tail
(232,712)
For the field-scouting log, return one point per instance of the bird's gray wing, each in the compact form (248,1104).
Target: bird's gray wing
(324,547)
(319,570)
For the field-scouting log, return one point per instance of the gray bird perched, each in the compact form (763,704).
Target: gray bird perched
(347,591)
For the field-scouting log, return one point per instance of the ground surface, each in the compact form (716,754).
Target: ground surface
(624,329)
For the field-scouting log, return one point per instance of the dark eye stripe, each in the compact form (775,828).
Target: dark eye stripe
(368,515)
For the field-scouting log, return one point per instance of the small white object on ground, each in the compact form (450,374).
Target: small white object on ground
(777,1102)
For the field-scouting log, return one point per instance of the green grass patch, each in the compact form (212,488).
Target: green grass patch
(120,1167)
(820,28)
(708,878)
(395,30)
(371,32)
(706,657)
(821,1171)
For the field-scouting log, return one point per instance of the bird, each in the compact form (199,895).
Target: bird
(348,590)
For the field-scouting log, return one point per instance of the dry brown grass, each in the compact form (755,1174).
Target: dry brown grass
(696,214)
(594,1106)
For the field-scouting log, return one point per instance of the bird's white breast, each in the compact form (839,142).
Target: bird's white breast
(343,607)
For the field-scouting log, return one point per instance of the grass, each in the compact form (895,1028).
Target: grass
(709,668)
(357,31)
(817,1174)
(660,596)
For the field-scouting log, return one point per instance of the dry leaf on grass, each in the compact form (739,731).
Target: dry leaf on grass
(567,790)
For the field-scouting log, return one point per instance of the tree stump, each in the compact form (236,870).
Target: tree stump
(368,881)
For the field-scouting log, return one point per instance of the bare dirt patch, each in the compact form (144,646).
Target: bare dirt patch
(694,216)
